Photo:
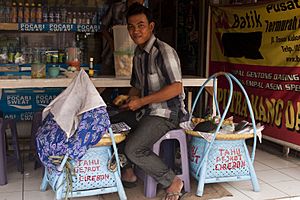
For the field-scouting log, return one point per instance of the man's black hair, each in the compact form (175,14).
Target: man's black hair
(136,9)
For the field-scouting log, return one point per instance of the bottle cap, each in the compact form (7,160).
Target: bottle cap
(91,59)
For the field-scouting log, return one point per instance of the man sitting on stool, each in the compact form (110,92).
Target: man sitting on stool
(155,104)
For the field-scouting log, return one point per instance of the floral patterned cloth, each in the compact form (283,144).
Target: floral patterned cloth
(52,141)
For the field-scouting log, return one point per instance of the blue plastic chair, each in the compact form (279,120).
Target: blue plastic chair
(207,167)
(91,173)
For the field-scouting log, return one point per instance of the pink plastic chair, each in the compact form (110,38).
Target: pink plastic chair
(150,185)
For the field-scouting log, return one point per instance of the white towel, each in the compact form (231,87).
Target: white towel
(79,97)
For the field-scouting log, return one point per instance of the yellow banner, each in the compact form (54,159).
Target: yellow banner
(265,34)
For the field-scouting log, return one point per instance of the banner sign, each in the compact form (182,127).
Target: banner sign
(21,104)
(260,45)
(59,27)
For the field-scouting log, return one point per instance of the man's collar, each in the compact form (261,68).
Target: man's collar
(149,44)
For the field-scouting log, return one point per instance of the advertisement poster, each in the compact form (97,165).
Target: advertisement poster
(260,45)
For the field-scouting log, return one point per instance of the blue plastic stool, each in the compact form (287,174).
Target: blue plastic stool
(150,185)
(222,160)
(92,176)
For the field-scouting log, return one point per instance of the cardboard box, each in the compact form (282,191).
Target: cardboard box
(21,104)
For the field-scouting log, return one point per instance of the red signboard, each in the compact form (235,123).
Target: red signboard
(260,45)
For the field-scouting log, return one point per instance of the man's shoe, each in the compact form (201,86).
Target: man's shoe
(128,184)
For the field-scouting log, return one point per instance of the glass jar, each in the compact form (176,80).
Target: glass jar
(38,70)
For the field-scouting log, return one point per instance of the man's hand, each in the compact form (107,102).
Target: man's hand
(133,103)
(120,100)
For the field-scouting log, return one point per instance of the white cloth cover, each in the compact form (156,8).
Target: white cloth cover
(80,96)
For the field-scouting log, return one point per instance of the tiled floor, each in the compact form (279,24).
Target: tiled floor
(279,178)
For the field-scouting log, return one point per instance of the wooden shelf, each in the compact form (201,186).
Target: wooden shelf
(50,27)
(9,26)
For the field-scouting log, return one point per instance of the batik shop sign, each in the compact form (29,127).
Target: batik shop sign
(260,45)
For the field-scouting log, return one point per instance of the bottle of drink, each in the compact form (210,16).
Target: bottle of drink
(61,56)
(20,13)
(2,14)
(83,21)
(69,18)
(79,18)
(63,14)
(26,13)
(94,18)
(14,13)
(88,18)
(11,54)
(4,55)
(91,67)
(45,14)
(57,15)
(33,11)
(74,19)
(39,13)
(30,55)
(51,15)
(7,11)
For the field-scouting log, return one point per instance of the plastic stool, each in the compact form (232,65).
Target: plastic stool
(9,123)
(150,185)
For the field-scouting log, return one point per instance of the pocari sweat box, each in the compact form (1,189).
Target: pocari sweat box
(21,104)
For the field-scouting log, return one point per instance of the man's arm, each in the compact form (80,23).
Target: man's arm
(166,93)
(134,92)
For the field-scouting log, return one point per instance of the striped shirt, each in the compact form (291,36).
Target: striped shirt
(162,68)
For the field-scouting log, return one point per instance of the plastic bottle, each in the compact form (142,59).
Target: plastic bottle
(26,13)
(45,14)
(69,18)
(88,18)
(74,18)
(51,15)
(2,13)
(14,13)
(33,13)
(7,11)
(79,18)
(11,54)
(83,21)
(39,13)
(63,15)
(61,56)
(91,67)
(57,15)
(20,13)
(4,55)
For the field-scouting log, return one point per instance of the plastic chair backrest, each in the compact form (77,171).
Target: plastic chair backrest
(229,77)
